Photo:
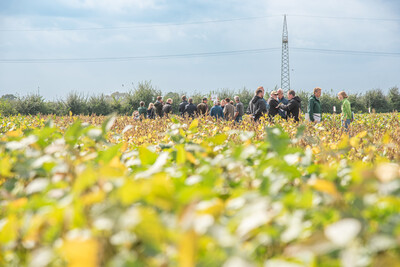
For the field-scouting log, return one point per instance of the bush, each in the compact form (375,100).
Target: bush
(57,108)
(76,103)
(30,105)
(99,105)
(7,108)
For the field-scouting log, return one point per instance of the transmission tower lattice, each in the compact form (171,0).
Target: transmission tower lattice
(285,79)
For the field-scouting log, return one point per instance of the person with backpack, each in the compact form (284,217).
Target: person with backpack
(347,115)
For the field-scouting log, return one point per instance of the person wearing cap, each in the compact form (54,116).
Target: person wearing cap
(293,107)
(314,106)
(202,108)
(273,105)
(167,108)
(259,105)
(182,105)
(284,101)
(239,109)
(216,111)
(229,110)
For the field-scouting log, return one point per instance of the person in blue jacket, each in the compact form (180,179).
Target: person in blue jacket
(216,111)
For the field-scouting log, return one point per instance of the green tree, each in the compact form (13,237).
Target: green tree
(76,103)
(99,105)
(377,100)
(144,91)
(394,98)
(30,105)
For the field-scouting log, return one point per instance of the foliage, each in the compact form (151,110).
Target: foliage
(144,92)
(7,107)
(30,105)
(88,191)
(394,98)
(76,103)
(98,105)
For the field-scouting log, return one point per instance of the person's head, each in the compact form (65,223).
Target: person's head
(260,93)
(183,98)
(141,103)
(291,94)
(260,88)
(231,102)
(159,98)
(151,105)
(280,93)
(317,92)
(169,101)
(227,100)
(274,95)
(190,100)
(216,103)
(223,102)
(237,99)
(342,95)
(205,100)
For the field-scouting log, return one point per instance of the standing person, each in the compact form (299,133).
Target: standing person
(159,106)
(202,108)
(259,105)
(167,108)
(182,105)
(142,110)
(273,105)
(190,108)
(229,110)
(293,107)
(223,103)
(216,111)
(284,101)
(347,116)
(250,108)
(151,114)
(239,109)
(314,106)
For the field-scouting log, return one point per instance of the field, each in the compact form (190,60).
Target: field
(112,191)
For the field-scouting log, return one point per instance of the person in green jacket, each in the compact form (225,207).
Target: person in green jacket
(142,110)
(347,116)
(314,106)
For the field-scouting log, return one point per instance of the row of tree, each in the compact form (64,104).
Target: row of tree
(126,103)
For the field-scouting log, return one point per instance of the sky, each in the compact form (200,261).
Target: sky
(69,32)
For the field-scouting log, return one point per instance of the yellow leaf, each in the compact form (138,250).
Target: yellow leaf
(5,166)
(191,158)
(80,252)
(188,249)
(124,147)
(70,113)
(180,154)
(18,203)
(194,124)
(15,133)
(324,186)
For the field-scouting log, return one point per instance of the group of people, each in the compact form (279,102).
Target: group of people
(276,105)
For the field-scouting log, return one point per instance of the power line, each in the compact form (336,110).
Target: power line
(202,54)
(345,18)
(140,25)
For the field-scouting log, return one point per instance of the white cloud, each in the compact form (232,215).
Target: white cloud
(111,6)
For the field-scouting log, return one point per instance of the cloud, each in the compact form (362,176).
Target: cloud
(111,6)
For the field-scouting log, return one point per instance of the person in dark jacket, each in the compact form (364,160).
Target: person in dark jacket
(216,111)
(182,105)
(239,109)
(191,108)
(259,107)
(151,114)
(293,107)
(158,105)
(142,110)
(273,105)
(202,108)
(167,108)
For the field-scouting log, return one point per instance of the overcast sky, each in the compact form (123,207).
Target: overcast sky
(71,32)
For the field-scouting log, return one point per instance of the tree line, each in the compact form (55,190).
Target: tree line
(374,100)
